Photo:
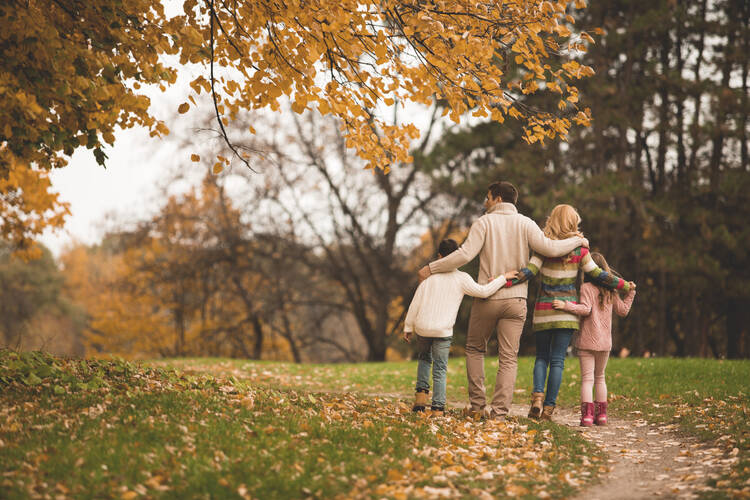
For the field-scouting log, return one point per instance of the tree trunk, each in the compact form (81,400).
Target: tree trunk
(258,341)
(735,328)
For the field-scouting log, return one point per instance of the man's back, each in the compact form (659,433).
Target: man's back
(503,238)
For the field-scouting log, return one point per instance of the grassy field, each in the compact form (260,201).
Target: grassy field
(99,429)
(203,428)
(704,398)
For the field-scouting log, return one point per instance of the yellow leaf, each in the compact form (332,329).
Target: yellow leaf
(218,167)
(298,107)
(194,157)
(395,475)
(184,107)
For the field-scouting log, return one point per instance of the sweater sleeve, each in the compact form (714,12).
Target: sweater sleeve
(416,303)
(528,272)
(622,307)
(599,275)
(467,251)
(540,244)
(472,288)
(583,308)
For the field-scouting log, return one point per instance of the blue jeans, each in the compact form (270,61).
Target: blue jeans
(433,353)
(551,347)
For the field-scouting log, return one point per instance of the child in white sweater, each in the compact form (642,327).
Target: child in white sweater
(432,314)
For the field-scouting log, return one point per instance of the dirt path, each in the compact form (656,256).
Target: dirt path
(645,460)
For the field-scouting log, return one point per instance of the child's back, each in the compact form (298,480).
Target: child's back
(436,302)
(431,315)
(596,310)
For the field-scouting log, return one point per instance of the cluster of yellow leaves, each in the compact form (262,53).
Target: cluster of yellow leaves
(27,207)
(69,76)
(70,72)
(347,57)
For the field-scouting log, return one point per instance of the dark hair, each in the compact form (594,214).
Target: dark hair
(504,190)
(447,247)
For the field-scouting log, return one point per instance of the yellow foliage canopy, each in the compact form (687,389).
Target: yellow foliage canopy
(71,71)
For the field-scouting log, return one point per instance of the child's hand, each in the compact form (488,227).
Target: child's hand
(558,304)
(407,337)
(632,285)
(511,275)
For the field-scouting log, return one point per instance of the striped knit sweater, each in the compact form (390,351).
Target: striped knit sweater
(559,283)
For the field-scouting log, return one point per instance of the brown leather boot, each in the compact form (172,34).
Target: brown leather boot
(536,405)
(421,400)
(472,414)
(437,411)
(547,412)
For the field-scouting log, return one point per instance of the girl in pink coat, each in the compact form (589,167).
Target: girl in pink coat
(594,340)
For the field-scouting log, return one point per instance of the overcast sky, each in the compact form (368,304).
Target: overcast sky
(137,166)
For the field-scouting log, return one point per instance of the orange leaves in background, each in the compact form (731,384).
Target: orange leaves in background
(121,320)
(27,207)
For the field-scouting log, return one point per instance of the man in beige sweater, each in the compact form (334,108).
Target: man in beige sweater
(502,237)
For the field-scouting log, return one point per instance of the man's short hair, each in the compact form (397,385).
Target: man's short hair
(447,247)
(504,190)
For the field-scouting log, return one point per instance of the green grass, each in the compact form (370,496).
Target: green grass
(703,398)
(104,429)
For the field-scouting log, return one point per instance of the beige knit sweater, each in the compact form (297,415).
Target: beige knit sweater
(502,238)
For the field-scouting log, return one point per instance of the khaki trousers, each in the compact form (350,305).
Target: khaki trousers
(507,316)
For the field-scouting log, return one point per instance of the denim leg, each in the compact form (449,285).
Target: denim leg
(424,355)
(542,359)
(440,351)
(560,339)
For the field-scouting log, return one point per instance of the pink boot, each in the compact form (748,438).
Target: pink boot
(587,414)
(601,413)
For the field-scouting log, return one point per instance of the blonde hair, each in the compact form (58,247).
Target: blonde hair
(605,294)
(562,223)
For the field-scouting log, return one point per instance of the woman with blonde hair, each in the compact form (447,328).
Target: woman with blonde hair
(554,327)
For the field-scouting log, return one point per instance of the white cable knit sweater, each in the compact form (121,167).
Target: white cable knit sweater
(433,310)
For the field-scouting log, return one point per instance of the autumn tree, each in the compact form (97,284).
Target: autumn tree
(73,72)
(27,207)
(353,230)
